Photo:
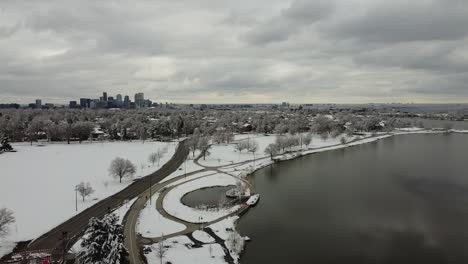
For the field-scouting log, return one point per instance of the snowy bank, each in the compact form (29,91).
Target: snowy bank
(38,181)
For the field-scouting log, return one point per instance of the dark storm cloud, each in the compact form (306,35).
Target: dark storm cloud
(215,51)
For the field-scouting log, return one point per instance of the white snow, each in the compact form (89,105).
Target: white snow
(38,181)
(226,154)
(180,251)
(173,205)
(152,224)
(202,236)
(187,167)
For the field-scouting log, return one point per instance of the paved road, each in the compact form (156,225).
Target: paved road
(76,225)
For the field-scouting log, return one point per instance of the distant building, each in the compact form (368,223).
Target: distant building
(38,103)
(85,103)
(139,100)
(72,104)
(126,102)
(119,98)
(104,96)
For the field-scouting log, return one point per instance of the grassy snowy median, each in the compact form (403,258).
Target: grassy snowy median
(38,181)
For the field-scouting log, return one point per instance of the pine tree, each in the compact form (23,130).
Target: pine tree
(103,242)
(5,144)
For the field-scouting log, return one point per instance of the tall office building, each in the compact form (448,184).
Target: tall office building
(38,103)
(126,102)
(140,100)
(104,96)
(119,98)
(85,102)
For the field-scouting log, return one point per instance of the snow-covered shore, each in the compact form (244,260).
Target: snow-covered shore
(226,159)
(38,181)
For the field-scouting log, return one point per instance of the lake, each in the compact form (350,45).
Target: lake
(399,200)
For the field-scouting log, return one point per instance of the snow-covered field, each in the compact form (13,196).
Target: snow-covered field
(38,181)
(152,224)
(226,154)
(180,250)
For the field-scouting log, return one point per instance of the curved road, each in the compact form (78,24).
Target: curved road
(75,226)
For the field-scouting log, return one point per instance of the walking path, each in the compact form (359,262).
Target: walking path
(134,241)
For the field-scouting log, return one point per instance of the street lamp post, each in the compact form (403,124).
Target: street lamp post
(76,198)
(150,189)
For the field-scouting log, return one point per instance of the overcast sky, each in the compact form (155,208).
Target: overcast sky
(242,51)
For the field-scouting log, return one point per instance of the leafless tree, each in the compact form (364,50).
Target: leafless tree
(6,219)
(271,150)
(84,189)
(307,139)
(235,243)
(204,145)
(343,140)
(153,158)
(161,251)
(121,168)
(192,144)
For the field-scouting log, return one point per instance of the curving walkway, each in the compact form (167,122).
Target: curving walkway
(134,240)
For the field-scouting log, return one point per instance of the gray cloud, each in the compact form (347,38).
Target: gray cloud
(242,51)
(401,21)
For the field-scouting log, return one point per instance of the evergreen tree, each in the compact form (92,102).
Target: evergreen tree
(5,144)
(103,242)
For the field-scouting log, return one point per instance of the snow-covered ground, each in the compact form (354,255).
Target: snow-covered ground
(38,181)
(152,224)
(202,236)
(226,154)
(180,250)
(187,167)
(173,205)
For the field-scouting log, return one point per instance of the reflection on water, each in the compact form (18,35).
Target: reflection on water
(399,200)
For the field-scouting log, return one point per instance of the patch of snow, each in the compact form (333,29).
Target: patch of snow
(180,250)
(38,181)
(152,224)
(202,236)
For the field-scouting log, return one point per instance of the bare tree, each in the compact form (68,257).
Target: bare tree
(121,168)
(343,140)
(203,146)
(235,243)
(271,150)
(6,219)
(240,146)
(307,139)
(84,189)
(192,144)
(161,251)
(153,158)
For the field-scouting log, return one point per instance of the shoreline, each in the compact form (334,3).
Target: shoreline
(303,153)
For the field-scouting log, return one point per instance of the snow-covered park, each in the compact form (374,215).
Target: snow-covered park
(225,154)
(38,181)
